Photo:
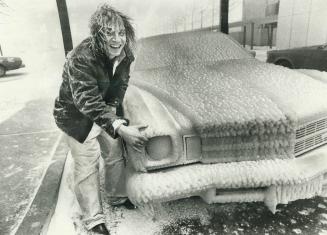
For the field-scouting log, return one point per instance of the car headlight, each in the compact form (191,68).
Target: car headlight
(159,147)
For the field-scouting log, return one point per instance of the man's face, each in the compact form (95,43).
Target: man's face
(115,38)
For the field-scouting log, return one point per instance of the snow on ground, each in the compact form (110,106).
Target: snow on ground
(67,217)
(318,75)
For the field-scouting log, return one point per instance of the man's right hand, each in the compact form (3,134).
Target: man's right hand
(133,136)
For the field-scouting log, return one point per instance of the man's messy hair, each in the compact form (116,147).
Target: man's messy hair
(99,21)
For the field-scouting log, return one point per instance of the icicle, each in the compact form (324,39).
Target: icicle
(271,198)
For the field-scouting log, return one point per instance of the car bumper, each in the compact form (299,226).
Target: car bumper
(271,181)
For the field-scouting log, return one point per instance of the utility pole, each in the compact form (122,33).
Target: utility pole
(270,35)
(1,51)
(65,27)
(224,6)
(244,35)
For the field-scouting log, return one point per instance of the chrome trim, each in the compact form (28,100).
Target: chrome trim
(185,158)
(310,136)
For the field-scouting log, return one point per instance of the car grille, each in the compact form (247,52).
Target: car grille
(311,128)
(307,137)
(210,150)
(310,136)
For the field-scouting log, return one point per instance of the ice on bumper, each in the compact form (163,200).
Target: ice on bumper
(271,181)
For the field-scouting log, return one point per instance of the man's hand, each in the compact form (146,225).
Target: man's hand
(133,136)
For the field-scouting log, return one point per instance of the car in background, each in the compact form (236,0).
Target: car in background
(313,57)
(9,63)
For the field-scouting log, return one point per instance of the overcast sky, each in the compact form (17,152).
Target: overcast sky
(34,24)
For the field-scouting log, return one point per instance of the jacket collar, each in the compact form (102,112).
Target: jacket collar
(129,53)
(120,58)
(125,53)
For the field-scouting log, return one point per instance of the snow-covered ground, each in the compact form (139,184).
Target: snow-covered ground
(67,218)
(318,75)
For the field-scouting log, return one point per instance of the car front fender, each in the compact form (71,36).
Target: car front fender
(143,108)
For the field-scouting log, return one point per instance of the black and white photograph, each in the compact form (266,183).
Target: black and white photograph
(163,117)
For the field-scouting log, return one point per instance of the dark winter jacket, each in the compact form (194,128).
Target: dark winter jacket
(89,90)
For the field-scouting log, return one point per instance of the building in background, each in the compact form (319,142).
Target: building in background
(301,23)
(260,22)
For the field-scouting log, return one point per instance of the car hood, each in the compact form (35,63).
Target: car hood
(242,109)
(236,93)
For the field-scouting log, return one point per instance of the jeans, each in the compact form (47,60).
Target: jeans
(86,173)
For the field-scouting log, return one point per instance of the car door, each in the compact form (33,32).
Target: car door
(318,58)
(300,58)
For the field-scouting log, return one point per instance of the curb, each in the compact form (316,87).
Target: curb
(40,211)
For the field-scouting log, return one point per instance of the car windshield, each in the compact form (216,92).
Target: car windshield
(187,48)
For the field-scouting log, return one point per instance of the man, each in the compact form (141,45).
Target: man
(88,109)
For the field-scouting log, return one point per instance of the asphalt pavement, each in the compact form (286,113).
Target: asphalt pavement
(28,135)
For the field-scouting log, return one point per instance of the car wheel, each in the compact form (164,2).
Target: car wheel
(284,63)
(2,71)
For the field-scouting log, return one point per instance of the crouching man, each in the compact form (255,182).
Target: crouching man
(88,109)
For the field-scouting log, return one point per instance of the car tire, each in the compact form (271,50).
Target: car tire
(284,63)
(2,71)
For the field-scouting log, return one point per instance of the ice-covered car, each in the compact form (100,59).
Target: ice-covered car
(223,125)
(313,57)
(10,63)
